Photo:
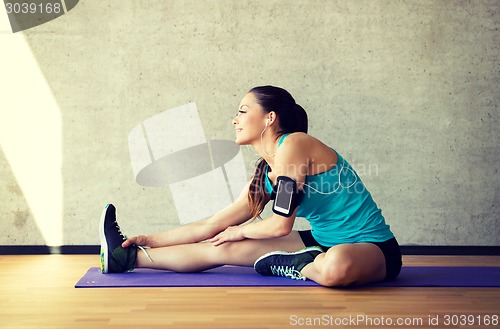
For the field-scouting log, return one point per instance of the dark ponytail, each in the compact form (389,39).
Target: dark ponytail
(257,196)
(302,123)
(292,118)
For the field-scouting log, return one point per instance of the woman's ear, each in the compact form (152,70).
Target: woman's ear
(271,118)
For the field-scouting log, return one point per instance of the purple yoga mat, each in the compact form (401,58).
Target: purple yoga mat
(238,276)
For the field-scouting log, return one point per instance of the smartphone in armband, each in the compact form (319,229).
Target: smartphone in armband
(287,196)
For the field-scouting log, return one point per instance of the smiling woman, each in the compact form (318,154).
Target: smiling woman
(265,104)
(349,243)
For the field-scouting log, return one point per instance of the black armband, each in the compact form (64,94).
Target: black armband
(286,196)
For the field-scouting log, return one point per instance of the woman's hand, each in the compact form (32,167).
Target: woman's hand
(232,233)
(140,240)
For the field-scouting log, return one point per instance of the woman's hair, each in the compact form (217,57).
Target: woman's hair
(291,118)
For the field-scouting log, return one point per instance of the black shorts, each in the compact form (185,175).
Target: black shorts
(390,249)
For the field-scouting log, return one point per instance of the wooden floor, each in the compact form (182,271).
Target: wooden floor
(38,292)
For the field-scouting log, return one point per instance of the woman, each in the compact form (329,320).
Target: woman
(349,243)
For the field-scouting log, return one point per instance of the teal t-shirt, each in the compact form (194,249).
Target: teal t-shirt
(339,207)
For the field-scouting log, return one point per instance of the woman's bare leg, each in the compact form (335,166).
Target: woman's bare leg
(347,264)
(201,256)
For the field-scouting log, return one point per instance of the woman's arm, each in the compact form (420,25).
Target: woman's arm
(236,213)
(291,160)
(273,227)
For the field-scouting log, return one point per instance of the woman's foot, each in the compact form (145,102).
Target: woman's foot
(114,258)
(287,264)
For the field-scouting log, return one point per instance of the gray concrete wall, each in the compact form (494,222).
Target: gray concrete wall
(407,91)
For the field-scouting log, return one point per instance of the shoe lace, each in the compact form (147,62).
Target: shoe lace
(124,237)
(287,271)
(120,231)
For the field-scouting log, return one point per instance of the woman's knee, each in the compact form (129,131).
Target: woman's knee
(229,253)
(222,251)
(352,264)
(337,267)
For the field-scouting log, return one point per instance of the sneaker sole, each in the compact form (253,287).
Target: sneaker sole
(307,249)
(104,245)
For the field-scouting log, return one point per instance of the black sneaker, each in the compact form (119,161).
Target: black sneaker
(114,258)
(287,264)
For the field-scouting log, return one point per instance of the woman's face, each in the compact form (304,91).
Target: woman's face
(250,121)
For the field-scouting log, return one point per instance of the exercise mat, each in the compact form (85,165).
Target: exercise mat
(239,276)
